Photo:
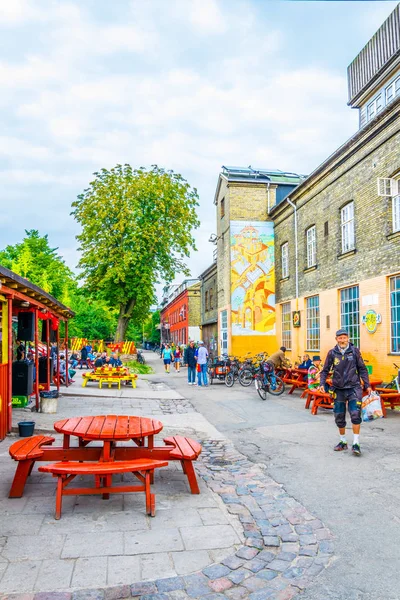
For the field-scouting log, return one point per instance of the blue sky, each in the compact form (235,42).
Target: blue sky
(187,84)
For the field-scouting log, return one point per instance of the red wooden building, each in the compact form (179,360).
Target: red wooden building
(180,316)
(18,295)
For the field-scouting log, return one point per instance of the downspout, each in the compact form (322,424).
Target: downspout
(296,251)
(268,185)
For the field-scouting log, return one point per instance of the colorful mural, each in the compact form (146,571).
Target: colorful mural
(252,278)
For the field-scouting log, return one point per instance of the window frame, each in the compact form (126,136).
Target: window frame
(347,227)
(285,260)
(206,300)
(350,319)
(222,207)
(286,325)
(374,107)
(394,311)
(313,324)
(311,245)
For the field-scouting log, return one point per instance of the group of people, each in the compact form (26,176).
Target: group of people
(194,356)
(346,368)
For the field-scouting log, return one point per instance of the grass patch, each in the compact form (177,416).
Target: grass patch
(138,368)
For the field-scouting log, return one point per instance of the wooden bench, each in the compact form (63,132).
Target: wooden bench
(389,399)
(26,451)
(103,472)
(186,451)
(318,400)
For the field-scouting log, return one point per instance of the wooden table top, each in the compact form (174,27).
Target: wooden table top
(109,427)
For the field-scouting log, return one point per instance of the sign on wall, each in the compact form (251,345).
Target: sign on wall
(371,320)
(252,278)
(296,318)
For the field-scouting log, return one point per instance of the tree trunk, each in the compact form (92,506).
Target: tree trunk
(125,313)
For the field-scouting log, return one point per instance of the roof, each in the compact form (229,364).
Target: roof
(376,59)
(23,286)
(261,175)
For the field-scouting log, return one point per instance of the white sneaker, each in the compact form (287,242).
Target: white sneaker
(190,383)
(194,383)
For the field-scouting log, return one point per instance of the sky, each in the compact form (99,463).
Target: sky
(190,85)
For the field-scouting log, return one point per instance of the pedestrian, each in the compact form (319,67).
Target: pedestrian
(202,357)
(177,359)
(167,356)
(190,361)
(84,355)
(348,366)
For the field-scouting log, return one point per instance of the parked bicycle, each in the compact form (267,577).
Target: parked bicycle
(395,383)
(266,381)
(218,368)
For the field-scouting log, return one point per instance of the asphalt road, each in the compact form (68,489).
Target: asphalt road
(357,498)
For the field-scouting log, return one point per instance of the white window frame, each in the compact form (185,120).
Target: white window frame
(313,322)
(311,235)
(286,325)
(388,186)
(396,213)
(374,107)
(394,88)
(350,312)
(394,315)
(285,260)
(347,227)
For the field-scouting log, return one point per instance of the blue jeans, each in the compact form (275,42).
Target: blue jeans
(191,374)
(202,375)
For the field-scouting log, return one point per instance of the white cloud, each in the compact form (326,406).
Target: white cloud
(206,17)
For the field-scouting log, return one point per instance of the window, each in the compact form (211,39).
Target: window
(395,314)
(350,313)
(311,247)
(392,90)
(396,213)
(326,228)
(206,301)
(224,332)
(313,327)
(211,306)
(286,326)
(285,260)
(222,207)
(347,223)
(374,107)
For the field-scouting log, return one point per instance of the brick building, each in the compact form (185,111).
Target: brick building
(245,257)
(337,238)
(180,313)
(209,309)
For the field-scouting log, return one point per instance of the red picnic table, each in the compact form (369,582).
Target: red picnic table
(297,378)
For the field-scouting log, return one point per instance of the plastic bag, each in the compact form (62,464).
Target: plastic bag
(371,407)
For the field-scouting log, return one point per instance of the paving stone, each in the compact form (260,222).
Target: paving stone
(247,553)
(315,524)
(273,541)
(289,537)
(315,570)
(159,565)
(246,519)
(286,594)
(54,574)
(27,546)
(221,584)
(88,595)
(255,565)
(289,556)
(197,585)
(239,575)
(267,574)
(293,572)
(214,596)
(308,550)
(208,537)
(266,556)
(268,530)
(326,547)
(303,529)
(261,595)
(154,597)
(233,562)
(123,569)
(117,593)
(236,593)
(93,544)
(143,587)
(278,565)
(53,596)
(141,541)
(323,534)
(170,584)
(254,543)
(254,583)
(216,571)
(307,539)
(290,547)
(211,516)
(90,572)
(189,561)
(20,576)
(304,562)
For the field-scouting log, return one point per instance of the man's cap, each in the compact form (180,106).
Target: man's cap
(316,357)
(341,332)
(201,342)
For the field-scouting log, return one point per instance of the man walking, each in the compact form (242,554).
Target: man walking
(202,356)
(190,360)
(348,366)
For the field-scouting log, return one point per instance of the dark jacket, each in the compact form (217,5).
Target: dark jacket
(306,364)
(347,368)
(84,353)
(189,356)
(115,362)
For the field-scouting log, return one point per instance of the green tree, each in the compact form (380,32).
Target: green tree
(34,259)
(147,331)
(136,227)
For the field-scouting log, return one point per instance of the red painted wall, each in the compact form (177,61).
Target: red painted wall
(176,314)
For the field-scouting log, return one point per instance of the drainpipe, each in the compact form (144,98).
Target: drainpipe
(296,250)
(268,185)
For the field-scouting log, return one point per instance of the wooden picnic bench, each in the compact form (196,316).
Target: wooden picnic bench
(103,471)
(26,451)
(318,400)
(109,377)
(389,398)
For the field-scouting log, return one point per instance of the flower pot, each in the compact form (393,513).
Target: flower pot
(26,428)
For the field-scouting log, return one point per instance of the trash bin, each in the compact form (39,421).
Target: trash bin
(26,428)
(49,402)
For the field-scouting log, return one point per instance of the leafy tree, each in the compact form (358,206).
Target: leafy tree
(147,331)
(136,227)
(35,260)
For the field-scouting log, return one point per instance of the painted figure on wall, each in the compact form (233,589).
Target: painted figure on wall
(252,278)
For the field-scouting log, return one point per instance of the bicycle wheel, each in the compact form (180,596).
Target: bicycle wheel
(246,377)
(262,390)
(210,376)
(229,379)
(279,387)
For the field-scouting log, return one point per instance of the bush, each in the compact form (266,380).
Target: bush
(138,368)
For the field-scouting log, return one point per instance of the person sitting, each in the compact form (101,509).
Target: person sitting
(99,361)
(314,373)
(115,361)
(20,350)
(107,362)
(63,370)
(307,362)
(74,359)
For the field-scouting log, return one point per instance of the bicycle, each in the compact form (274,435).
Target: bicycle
(249,369)
(267,382)
(233,373)
(395,383)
